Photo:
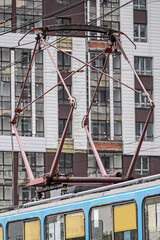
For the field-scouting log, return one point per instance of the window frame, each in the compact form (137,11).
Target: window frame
(149,196)
(142,100)
(139,6)
(69,133)
(141,169)
(23,220)
(62,66)
(99,125)
(113,204)
(64,213)
(104,157)
(139,38)
(143,70)
(141,126)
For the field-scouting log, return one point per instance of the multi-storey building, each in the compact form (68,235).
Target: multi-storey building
(118,114)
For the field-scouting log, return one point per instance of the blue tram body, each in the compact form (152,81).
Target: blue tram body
(125,211)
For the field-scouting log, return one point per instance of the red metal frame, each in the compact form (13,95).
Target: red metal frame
(54,177)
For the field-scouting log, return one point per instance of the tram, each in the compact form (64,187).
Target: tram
(123,211)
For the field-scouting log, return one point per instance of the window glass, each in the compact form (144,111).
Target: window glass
(65,226)
(62,123)
(149,132)
(142,165)
(143,65)
(64,61)
(101,223)
(140,32)
(32,230)
(140,4)
(119,220)
(15,230)
(99,62)
(151,210)
(66,163)
(24,230)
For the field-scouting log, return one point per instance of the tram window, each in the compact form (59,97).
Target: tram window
(54,227)
(65,226)
(151,209)
(101,223)
(74,226)
(15,230)
(24,230)
(125,222)
(1,232)
(113,222)
(32,230)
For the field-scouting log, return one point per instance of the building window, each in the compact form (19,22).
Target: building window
(38,92)
(143,65)
(140,32)
(101,97)
(66,163)
(27,11)
(36,161)
(5,195)
(117,63)
(100,130)
(26,97)
(5,13)
(5,165)
(62,20)
(117,101)
(24,122)
(62,123)
(24,126)
(99,62)
(142,165)
(5,91)
(117,130)
(64,43)
(101,101)
(39,127)
(64,61)
(141,101)
(149,132)
(26,194)
(65,2)
(62,95)
(140,4)
(111,164)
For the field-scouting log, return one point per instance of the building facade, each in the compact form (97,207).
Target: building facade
(118,114)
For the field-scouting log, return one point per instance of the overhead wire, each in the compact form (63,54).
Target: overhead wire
(74,32)
(44,17)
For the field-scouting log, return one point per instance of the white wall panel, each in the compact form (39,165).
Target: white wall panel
(79,92)
(50,100)
(149,49)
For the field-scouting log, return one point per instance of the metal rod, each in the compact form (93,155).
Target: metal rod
(70,75)
(59,74)
(96,69)
(131,167)
(55,161)
(26,163)
(139,80)
(110,50)
(29,68)
(99,162)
